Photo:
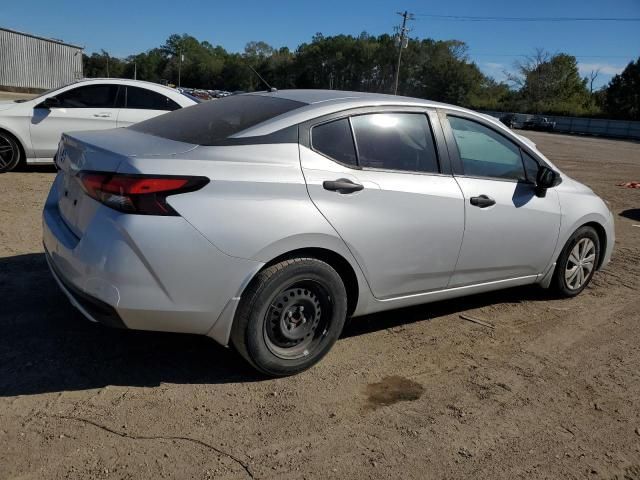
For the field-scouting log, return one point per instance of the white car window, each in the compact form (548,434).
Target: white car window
(89,96)
(141,98)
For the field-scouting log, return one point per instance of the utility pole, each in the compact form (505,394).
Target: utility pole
(403,41)
(180,64)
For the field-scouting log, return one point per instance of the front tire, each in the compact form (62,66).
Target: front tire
(10,153)
(290,316)
(577,262)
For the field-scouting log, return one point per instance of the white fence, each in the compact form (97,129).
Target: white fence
(585,126)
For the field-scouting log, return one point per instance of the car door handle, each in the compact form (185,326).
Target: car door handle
(102,115)
(483,201)
(342,185)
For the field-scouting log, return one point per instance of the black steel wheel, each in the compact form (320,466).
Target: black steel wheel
(290,316)
(297,320)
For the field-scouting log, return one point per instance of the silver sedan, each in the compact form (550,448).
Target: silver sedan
(265,220)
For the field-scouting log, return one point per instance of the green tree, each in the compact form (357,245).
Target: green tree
(551,84)
(433,69)
(102,65)
(622,95)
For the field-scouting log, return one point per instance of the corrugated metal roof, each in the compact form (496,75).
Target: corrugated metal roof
(53,40)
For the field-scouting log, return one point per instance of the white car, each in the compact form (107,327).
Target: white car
(30,129)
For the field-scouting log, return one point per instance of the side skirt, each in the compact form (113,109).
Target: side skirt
(376,305)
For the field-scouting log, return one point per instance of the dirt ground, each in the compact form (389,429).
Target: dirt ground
(552,392)
(14,96)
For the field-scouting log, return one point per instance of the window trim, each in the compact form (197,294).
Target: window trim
(433,121)
(456,160)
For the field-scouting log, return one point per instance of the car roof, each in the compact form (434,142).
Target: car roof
(174,94)
(326,102)
(127,81)
(314,97)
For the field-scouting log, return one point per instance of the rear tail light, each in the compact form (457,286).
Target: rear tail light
(139,194)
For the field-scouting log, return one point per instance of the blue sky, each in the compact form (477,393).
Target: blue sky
(126,27)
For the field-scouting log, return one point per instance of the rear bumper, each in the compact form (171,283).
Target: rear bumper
(92,308)
(145,272)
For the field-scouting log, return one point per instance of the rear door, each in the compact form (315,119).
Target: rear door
(509,231)
(379,179)
(138,104)
(88,107)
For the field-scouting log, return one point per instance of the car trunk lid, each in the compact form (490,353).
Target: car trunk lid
(101,151)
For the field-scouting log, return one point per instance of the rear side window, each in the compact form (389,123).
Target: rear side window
(395,141)
(89,96)
(334,140)
(141,98)
(212,122)
(484,152)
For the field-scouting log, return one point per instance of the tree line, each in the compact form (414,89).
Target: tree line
(434,69)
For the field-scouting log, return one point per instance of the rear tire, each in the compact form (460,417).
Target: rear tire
(577,262)
(290,316)
(10,152)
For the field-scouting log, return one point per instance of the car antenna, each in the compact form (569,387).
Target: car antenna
(271,89)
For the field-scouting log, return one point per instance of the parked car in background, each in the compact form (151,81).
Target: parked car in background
(264,220)
(539,123)
(509,120)
(30,129)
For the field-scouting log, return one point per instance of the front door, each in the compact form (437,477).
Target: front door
(377,179)
(89,107)
(509,231)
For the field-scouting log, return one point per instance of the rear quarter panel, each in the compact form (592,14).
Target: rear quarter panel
(256,205)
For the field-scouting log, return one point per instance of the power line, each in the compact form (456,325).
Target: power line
(402,43)
(466,18)
(528,55)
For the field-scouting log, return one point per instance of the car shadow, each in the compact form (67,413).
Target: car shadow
(46,345)
(42,168)
(522,194)
(631,214)
(39,114)
(404,316)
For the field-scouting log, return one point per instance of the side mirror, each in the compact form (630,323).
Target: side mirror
(48,103)
(545,179)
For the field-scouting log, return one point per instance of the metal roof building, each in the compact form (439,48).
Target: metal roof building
(31,62)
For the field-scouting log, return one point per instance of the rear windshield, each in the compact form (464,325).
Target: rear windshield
(211,122)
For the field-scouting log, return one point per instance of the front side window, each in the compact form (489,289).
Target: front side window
(89,96)
(395,141)
(141,98)
(334,140)
(484,152)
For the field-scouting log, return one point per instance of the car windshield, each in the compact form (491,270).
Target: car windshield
(213,121)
